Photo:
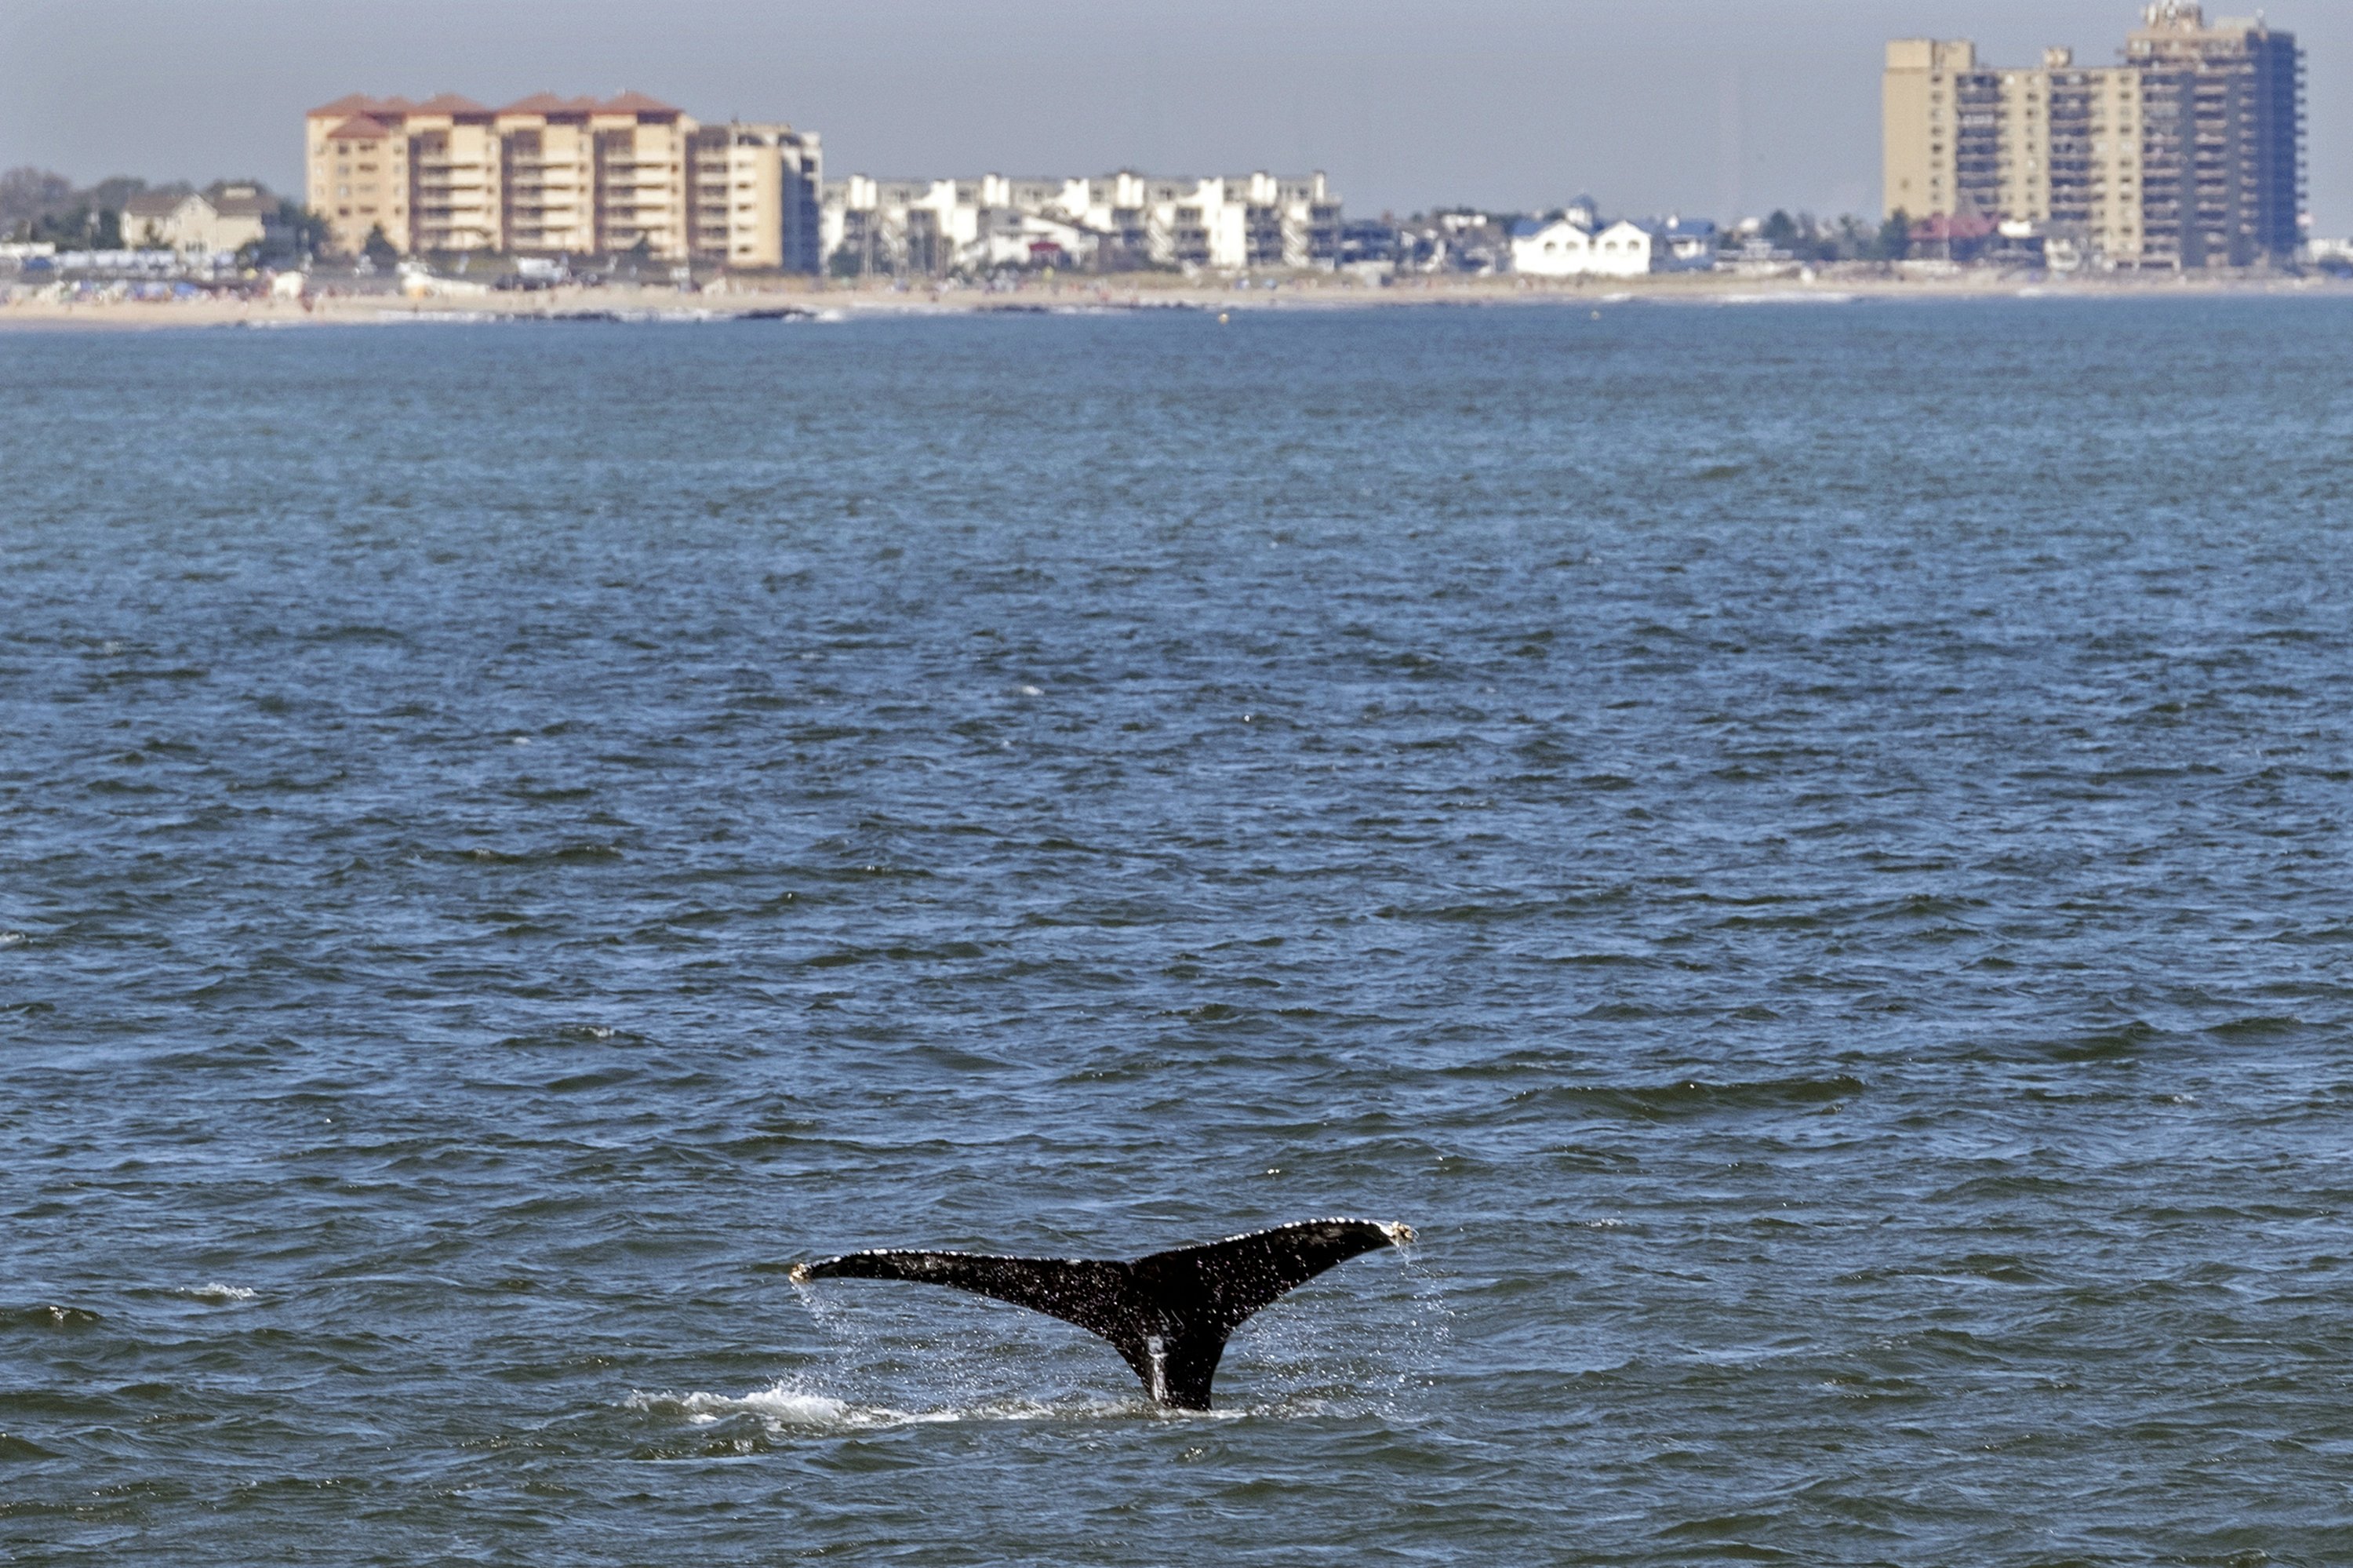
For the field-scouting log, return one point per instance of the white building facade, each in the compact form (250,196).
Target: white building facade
(1115,223)
(1564,248)
(1576,246)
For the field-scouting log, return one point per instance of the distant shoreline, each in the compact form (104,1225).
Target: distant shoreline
(839,302)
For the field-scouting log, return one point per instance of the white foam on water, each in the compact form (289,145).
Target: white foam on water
(1790,298)
(217,1292)
(437,318)
(778,1407)
(12,939)
(783,1409)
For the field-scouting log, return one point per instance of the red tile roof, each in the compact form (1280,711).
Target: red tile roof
(361,103)
(548,103)
(358,105)
(360,128)
(638,103)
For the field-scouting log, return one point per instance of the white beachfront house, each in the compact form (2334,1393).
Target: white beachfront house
(1557,249)
(1565,249)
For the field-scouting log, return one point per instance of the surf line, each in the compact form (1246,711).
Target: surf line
(1168,1315)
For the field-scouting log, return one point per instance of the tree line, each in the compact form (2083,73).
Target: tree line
(43,206)
(1848,239)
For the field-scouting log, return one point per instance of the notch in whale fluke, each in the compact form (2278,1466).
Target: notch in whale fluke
(1168,1315)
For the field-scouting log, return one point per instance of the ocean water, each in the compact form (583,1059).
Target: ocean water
(1804,849)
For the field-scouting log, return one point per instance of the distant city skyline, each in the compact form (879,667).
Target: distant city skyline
(1712,107)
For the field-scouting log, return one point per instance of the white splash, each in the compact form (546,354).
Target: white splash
(777,1406)
(12,939)
(218,1292)
(782,1409)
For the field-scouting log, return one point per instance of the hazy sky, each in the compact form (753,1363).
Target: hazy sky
(1711,107)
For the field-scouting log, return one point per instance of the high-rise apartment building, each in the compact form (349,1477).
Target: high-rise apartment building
(2187,155)
(565,176)
(2222,177)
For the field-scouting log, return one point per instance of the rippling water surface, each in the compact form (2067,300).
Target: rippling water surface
(1804,849)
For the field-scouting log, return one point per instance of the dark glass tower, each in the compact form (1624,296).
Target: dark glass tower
(2222,148)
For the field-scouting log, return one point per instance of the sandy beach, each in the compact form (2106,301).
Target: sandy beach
(837,301)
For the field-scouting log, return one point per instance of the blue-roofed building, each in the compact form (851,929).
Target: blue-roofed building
(1685,244)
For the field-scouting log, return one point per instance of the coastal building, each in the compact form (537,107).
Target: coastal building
(551,176)
(1475,243)
(1115,223)
(1562,248)
(2186,154)
(754,198)
(1686,244)
(1576,246)
(220,222)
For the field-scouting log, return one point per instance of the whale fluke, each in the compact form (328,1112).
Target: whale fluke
(1168,1315)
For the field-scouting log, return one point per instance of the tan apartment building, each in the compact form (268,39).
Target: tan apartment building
(2199,118)
(754,198)
(2056,145)
(550,175)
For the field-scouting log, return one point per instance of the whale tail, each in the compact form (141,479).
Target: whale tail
(1168,1315)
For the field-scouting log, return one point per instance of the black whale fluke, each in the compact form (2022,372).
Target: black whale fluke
(1168,1314)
